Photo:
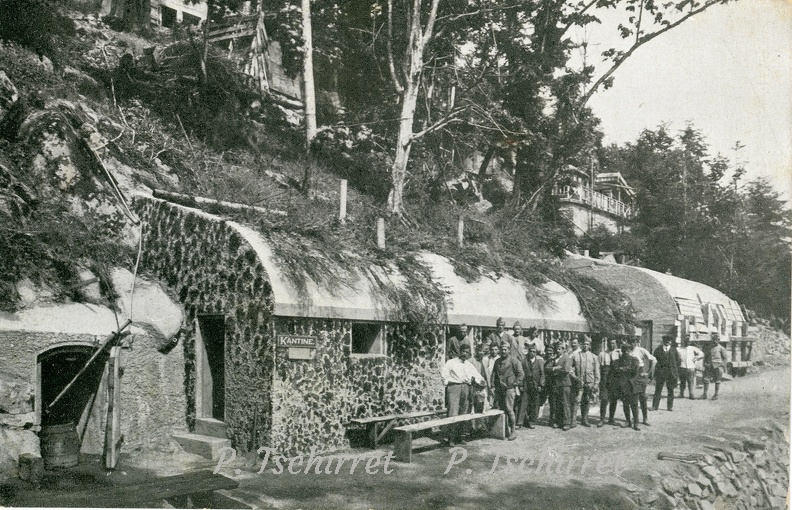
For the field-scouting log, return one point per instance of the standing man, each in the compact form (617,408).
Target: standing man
(488,362)
(587,378)
(456,340)
(458,375)
(666,373)
(627,384)
(646,363)
(715,359)
(606,359)
(574,349)
(500,335)
(517,332)
(689,356)
(533,382)
(507,378)
(562,371)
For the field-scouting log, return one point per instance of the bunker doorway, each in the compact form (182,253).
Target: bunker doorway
(57,367)
(210,367)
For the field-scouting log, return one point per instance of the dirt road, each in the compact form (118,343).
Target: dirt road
(544,468)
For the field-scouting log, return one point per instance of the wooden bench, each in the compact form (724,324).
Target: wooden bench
(496,426)
(374,424)
(198,485)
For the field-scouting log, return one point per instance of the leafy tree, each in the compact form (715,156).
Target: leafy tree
(698,221)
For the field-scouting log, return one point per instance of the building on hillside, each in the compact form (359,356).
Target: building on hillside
(46,345)
(590,200)
(273,363)
(667,304)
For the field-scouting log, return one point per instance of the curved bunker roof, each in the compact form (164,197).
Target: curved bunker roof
(362,297)
(656,296)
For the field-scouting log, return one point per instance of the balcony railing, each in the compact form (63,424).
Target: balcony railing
(595,199)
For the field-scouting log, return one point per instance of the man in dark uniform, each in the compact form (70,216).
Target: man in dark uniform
(507,378)
(533,382)
(626,375)
(561,370)
(666,372)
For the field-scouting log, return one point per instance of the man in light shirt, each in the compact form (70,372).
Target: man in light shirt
(689,356)
(587,377)
(716,358)
(646,364)
(488,361)
(458,375)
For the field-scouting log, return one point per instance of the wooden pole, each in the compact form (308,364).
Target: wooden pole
(381,233)
(342,205)
(109,339)
(461,231)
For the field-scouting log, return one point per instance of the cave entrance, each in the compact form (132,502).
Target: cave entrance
(210,367)
(56,368)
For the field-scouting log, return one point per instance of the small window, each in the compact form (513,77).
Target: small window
(368,338)
(168,16)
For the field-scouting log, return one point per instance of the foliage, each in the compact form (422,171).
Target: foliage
(35,24)
(698,220)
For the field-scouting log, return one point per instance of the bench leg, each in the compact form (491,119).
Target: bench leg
(373,431)
(498,427)
(402,446)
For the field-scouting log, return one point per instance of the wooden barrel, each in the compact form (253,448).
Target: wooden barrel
(60,445)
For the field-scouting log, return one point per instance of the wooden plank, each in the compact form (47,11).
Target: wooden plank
(132,495)
(441,422)
(232,36)
(415,414)
(402,446)
(498,427)
(113,438)
(234,28)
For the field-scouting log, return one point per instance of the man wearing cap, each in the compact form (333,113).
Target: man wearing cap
(646,364)
(507,378)
(626,386)
(456,340)
(689,356)
(666,373)
(458,375)
(561,370)
(500,335)
(715,359)
(574,349)
(606,359)
(533,382)
(586,376)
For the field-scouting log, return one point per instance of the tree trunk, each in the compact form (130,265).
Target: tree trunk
(403,145)
(309,94)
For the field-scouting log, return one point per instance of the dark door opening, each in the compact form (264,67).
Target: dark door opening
(211,368)
(168,16)
(58,368)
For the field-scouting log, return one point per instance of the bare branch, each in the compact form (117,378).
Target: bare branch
(640,42)
(451,117)
(455,17)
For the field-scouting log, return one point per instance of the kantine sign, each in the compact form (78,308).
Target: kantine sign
(296,341)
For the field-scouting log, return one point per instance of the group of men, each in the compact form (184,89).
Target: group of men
(510,375)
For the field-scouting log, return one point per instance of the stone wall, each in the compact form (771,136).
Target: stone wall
(315,399)
(294,404)
(152,393)
(744,471)
(213,270)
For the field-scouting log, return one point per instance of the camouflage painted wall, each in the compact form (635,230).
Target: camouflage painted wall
(315,399)
(214,271)
(301,403)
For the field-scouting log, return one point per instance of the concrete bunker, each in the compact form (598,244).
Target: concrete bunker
(300,363)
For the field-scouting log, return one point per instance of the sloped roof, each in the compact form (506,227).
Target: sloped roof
(481,302)
(657,296)
(361,298)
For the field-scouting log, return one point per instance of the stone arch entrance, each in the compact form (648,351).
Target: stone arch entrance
(57,366)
